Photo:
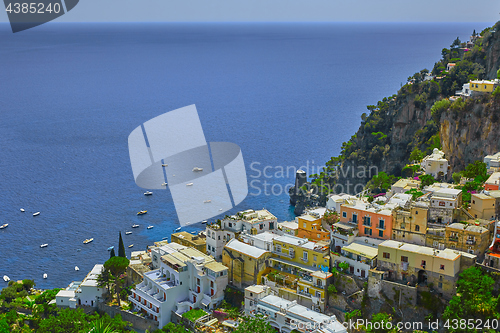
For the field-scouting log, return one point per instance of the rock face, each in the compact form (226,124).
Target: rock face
(400,123)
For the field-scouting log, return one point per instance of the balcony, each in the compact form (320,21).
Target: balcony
(453,239)
(381,227)
(404,266)
(304,259)
(144,307)
(290,255)
(304,293)
(470,242)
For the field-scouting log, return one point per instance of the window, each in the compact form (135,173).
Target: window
(344,214)
(386,255)
(404,259)
(261,226)
(440,285)
(367,220)
(368,231)
(441,267)
(315,257)
(354,218)
(416,212)
(230,225)
(381,233)
(305,255)
(381,224)
(417,228)
(304,225)
(219,237)
(271,225)
(423,263)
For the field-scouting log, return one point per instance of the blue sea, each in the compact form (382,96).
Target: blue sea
(287,94)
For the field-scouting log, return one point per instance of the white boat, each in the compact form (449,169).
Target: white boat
(178,229)
(196,169)
(204,222)
(111,248)
(131,245)
(4,226)
(22,210)
(44,275)
(150,226)
(220,209)
(164,165)
(128,232)
(135,226)
(36,214)
(189,184)
(207,201)
(88,240)
(148,193)
(164,184)
(6,278)
(44,245)
(77,268)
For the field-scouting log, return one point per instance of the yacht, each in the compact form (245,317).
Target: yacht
(128,232)
(135,226)
(164,165)
(164,184)
(44,275)
(44,245)
(77,268)
(111,248)
(197,169)
(178,229)
(150,227)
(131,245)
(189,184)
(148,193)
(22,210)
(88,240)
(207,201)
(6,278)
(36,214)
(4,226)
(204,222)
(142,212)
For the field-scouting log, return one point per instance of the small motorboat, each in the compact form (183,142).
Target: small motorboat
(131,245)
(22,210)
(111,248)
(88,240)
(220,209)
(204,222)
(178,229)
(77,268)
(150,226)
(36,214)
(135,226)
(148,193)
(44,245)
(194,232)
(128,232)
(189,184)
(164,238)
(164,184)
(142,212)
(44,275)
(6,278)
(164,165)
(3,226)
(196,169)
(207,201)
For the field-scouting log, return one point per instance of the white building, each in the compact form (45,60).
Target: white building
(287,315)
(403,185)
(361,255)
(85,292)
(492,162)
(435,164)
(263,241)
(288,227)
(185,279)
(250,221)
(336,200)
(465,92)
(443,203)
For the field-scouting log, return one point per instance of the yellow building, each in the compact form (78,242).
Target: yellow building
(409,263)
(482,206)
(483,85)
(410,225)
(246,263)
(304,268)
(310,227)
(198,242)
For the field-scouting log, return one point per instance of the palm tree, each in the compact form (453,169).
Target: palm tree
(99,326)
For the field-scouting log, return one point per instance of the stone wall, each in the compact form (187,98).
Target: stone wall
(400,293)
(138,323)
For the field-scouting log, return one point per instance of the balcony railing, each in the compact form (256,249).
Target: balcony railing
(382,227)
(284,254)
(304,293)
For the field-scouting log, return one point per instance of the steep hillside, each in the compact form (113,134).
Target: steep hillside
(407,122)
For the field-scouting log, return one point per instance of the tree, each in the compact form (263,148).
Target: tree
(476,171)
(104,279)
(416,155)
(121,247)
(100,326)
(426,180)
(344,266)
(117,266)
(498,73)
(474,298)
(66,321)
(173,328)
(112,253)
(380,323)
(256,324)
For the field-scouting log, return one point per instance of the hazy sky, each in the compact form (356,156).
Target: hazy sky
(283,10)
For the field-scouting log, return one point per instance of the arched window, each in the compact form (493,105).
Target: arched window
(417,228)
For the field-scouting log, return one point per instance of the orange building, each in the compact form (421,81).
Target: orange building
(493,182)
(372,220)
(310,227)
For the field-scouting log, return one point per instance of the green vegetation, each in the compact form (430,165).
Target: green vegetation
(381,183)
(474,299)
(121,247)
(257,324)
(172,328)
(22,309)
(344,266)
(426,180)
(194,314)
(415,193)
(116,266)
